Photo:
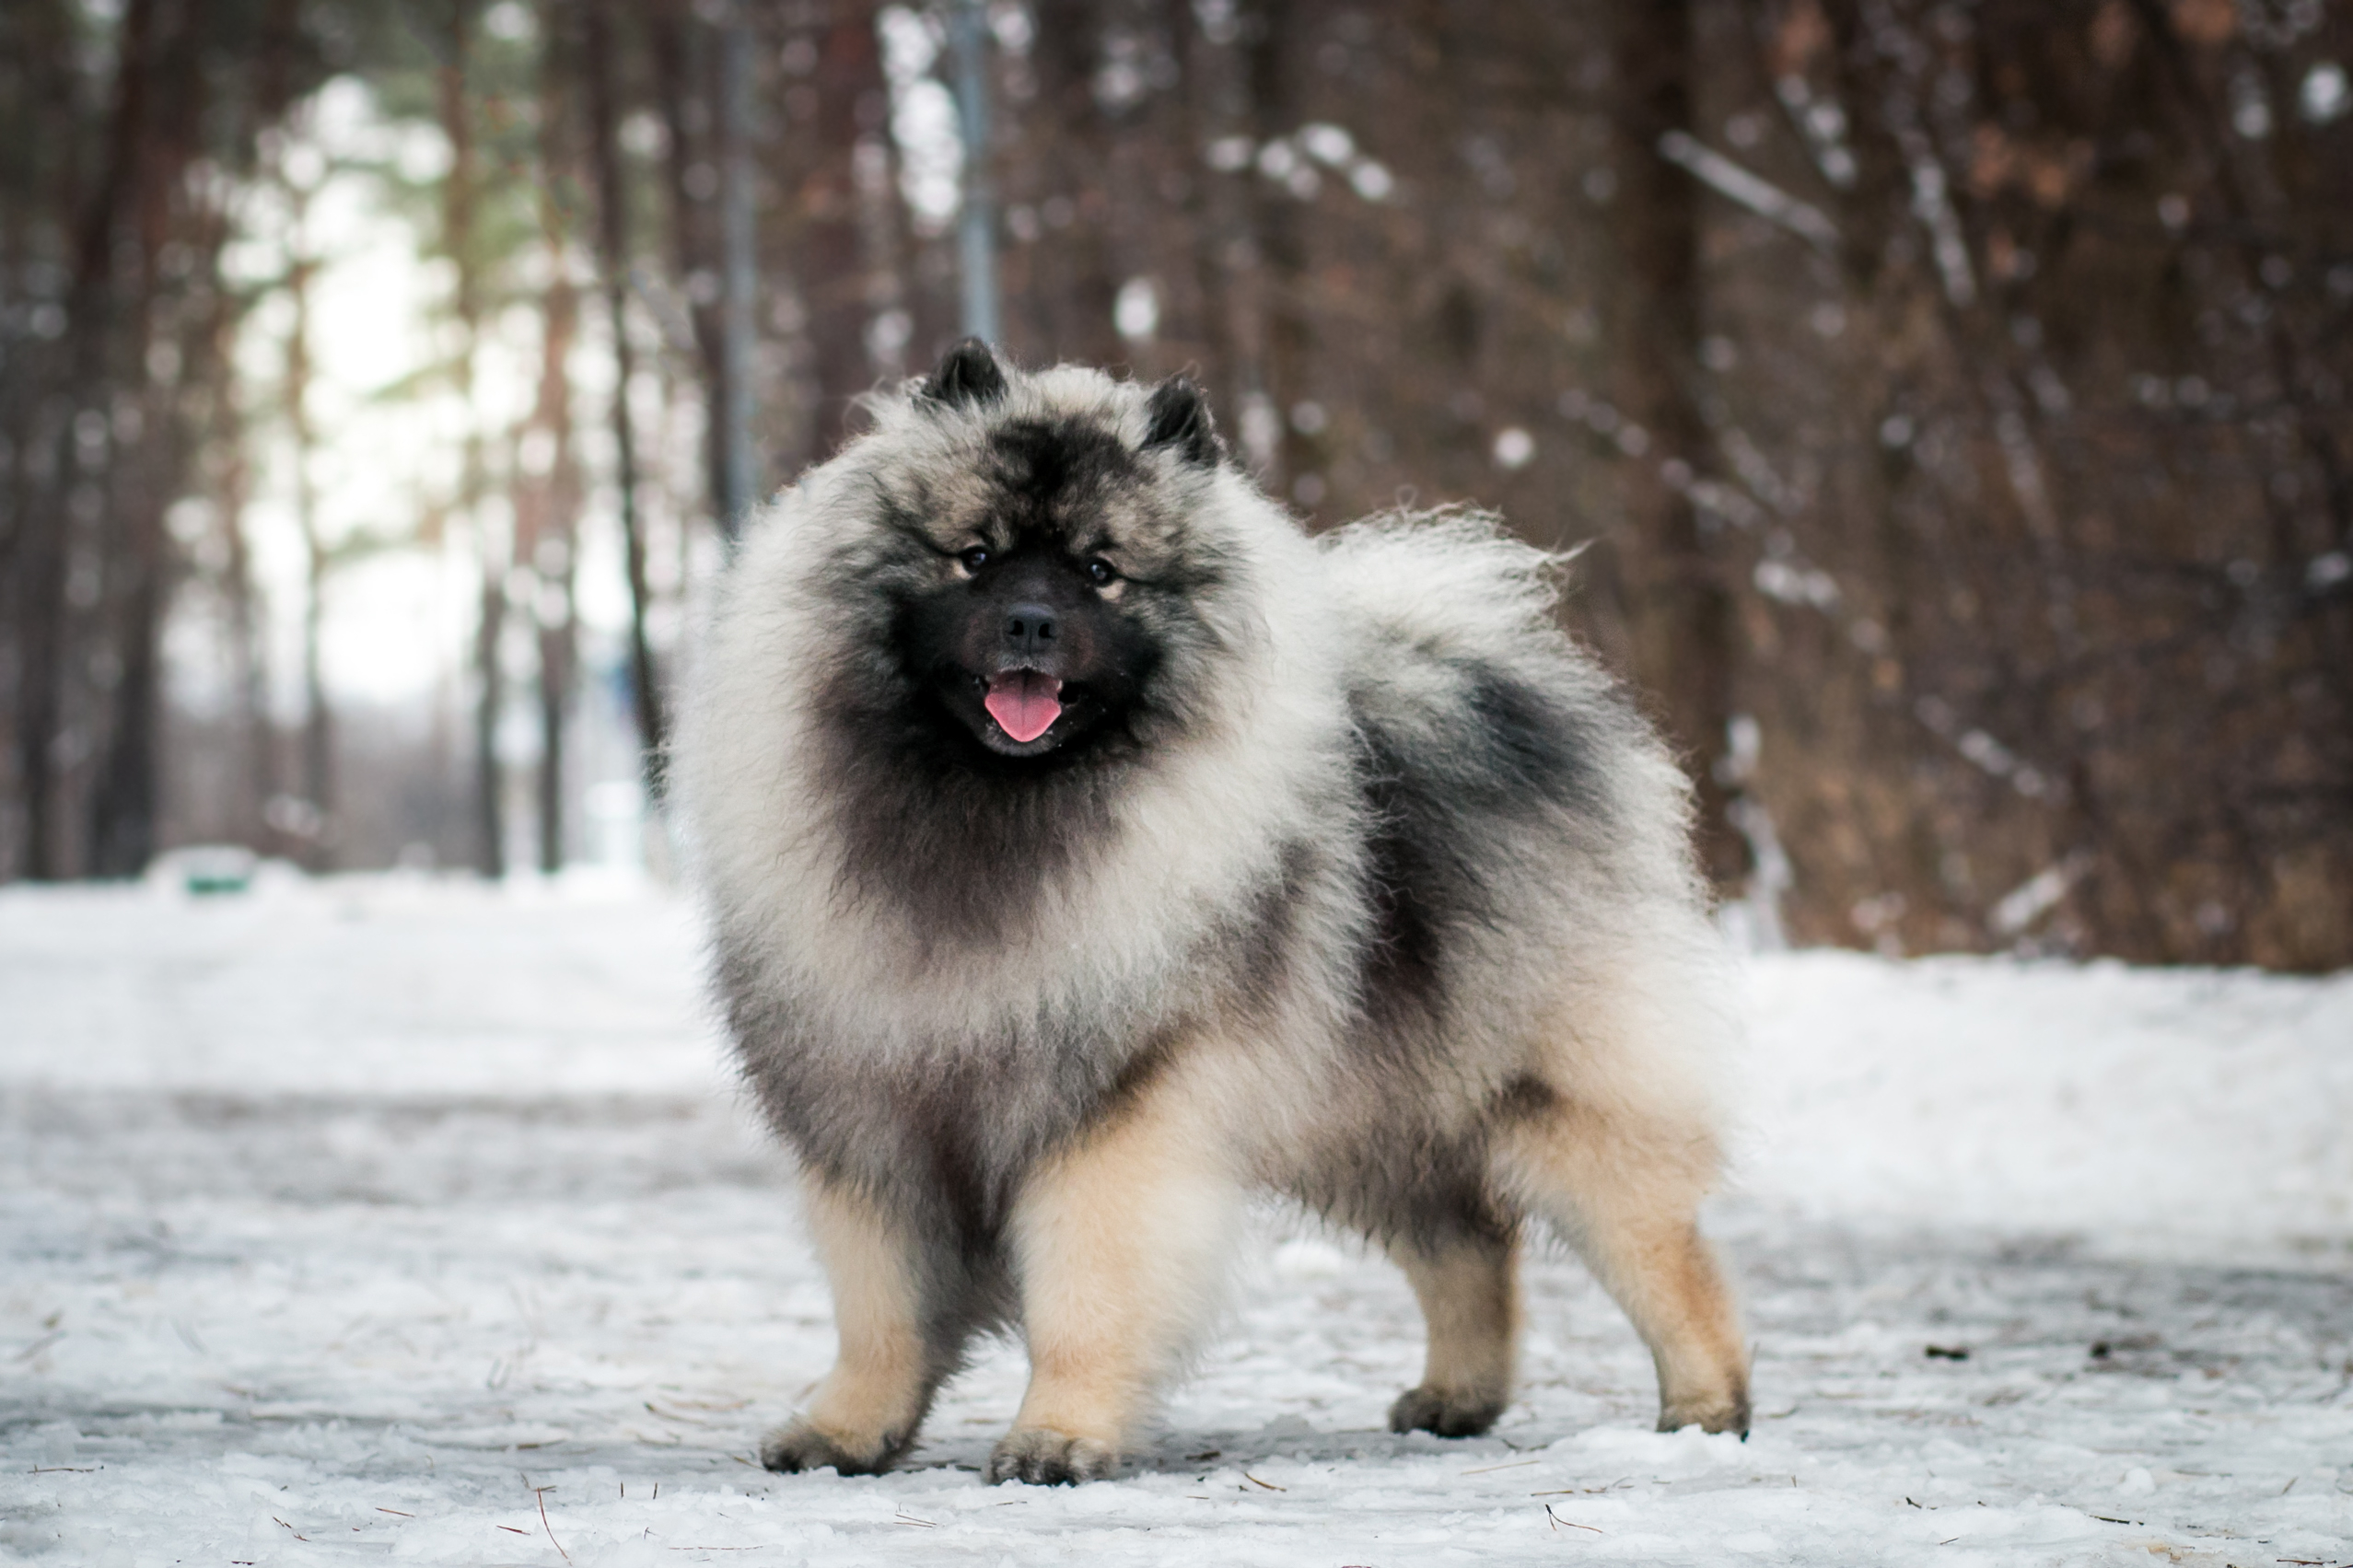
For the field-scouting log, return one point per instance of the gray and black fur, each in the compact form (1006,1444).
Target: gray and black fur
(1340,872)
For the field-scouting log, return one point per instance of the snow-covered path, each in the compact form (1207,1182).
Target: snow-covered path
(384,1216)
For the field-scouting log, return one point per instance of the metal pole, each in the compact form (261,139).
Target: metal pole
(737,478)
(976,226)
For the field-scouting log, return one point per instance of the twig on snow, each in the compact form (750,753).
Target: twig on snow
(541,1492)
(1572,1524)
(1595,1491)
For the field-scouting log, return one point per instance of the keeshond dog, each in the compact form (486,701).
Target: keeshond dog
(1089,849)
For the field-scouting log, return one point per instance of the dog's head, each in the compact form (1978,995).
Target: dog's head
(1041,557)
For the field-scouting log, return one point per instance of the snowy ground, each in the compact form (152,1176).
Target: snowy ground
(392,1217)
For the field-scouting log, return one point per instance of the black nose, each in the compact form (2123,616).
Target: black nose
(1030,627)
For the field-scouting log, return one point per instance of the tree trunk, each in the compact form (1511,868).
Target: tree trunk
(45,625)
(148,475)
(1232,279)
(460,200)
(853,103)
(550,540)
(553,553)
(1059,278)
(1679,614)
(312,829)
(979,314)
(735,471)
(256,766)
(681,50)
(613,247)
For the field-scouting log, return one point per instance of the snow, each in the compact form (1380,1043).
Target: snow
(412,1218)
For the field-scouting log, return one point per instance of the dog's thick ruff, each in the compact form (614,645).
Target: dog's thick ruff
(1339,870)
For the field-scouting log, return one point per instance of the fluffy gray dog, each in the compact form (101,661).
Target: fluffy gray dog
(1087,847)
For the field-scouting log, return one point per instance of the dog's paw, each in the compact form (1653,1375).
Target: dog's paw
(797,1445)
(1447,1415)
(1717,1413)
(1046,1457)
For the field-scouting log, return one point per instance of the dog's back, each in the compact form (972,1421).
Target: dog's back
(1532,928)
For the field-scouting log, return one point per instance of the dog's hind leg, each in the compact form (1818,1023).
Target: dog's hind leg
(1468,1284)
(1118,1246)
(864,1413)
(1627,1195)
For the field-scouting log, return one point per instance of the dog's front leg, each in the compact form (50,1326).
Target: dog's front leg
(1119,1244)
(866,1412)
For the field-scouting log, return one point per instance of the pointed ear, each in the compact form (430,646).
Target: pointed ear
(1179,417)
(966,375)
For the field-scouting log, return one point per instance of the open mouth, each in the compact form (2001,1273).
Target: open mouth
(1024,702)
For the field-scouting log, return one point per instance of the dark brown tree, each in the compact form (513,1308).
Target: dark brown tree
(602,100)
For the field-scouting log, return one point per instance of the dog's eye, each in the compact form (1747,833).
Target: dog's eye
(1102,572)
(974,558)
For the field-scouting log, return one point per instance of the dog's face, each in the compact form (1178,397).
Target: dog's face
(1052,569)
(1024,640)
(1030,651)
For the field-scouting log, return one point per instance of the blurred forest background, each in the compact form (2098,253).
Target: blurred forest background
(1952,396)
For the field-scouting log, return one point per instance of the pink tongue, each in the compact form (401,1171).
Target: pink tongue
(1023,703)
